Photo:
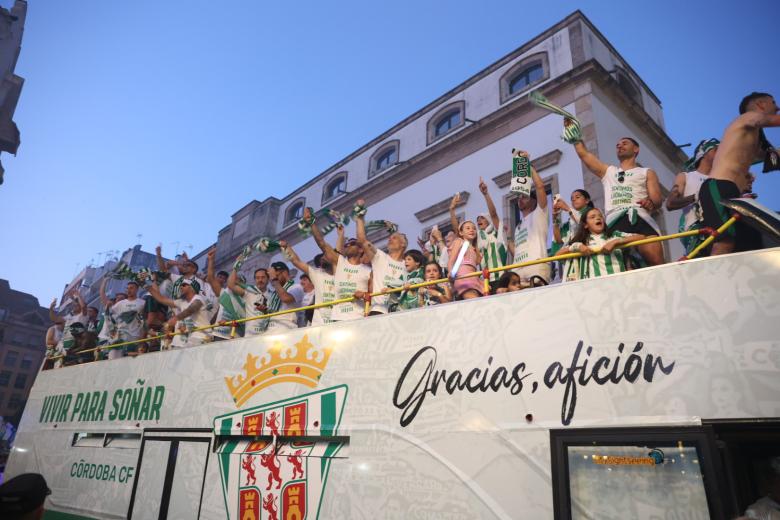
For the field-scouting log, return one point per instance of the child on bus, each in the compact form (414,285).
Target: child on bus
(413,260)
(599,246)
(509,282)
(434,294)
(563,232)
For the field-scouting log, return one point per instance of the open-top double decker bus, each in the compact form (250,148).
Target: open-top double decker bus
(650,394)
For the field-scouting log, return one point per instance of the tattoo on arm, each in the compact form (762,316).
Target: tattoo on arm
(190,310)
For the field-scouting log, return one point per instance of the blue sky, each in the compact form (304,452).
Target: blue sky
(164,118)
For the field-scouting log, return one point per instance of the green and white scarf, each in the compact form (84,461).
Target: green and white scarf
(492,249)
(572,133)
(276,302)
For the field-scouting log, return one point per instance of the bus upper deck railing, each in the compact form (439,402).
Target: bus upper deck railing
(712,234)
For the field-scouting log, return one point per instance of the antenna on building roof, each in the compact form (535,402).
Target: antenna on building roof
(138,238)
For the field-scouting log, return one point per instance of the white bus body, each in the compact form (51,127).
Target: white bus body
(593,399)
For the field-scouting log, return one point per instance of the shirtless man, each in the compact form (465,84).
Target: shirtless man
(740,146)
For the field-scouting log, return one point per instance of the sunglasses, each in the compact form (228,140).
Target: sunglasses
(621,176)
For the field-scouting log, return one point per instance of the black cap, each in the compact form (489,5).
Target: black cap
(22,494)
(280,266)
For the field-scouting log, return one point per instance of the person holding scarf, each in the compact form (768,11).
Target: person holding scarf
(563,232)
(285,295)
(321,276)
(632,193)
(491,241)
(231,305)
(685,192)
(254,297)
(408,298)
(350,275)
(387,269)
(530,239)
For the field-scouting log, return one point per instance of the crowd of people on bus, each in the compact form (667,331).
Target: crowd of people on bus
(181,304)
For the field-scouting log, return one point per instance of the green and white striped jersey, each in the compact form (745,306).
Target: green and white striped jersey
(492,246)
(594,266)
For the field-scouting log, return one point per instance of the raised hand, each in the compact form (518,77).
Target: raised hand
(483,186)
(455,201)
(560,205)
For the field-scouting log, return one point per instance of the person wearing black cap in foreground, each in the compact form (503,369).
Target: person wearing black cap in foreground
(22,497)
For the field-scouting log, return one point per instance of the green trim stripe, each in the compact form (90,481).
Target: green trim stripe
(716,198)
(328,413)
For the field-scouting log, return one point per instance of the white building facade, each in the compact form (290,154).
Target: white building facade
(409,173)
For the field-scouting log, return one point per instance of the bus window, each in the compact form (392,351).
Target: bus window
(624,473)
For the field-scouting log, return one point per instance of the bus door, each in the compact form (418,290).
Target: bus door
(170,474)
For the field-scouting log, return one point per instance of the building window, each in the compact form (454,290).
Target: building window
(388,158)
(26,361)
(5,377)
(628,86)
(526,78)
(294,212)
(524,75)
(446,120)
(335,187)
(385,157)
(21,381)
(447,123)
(10,358)
(15,402)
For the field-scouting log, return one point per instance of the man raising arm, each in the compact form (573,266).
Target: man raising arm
(387,269)
(490,237)
(350,275)
(190,313)
(255,299)
(631,194)
(530,239)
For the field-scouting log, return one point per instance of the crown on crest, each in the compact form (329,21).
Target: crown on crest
(302,363)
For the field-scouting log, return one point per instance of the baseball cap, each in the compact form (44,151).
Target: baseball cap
(702,148)
(280,266)
(22,494)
